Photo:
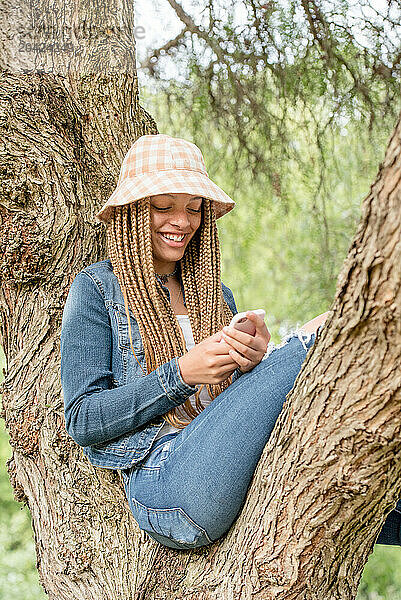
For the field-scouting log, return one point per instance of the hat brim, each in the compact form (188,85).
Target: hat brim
(173,181)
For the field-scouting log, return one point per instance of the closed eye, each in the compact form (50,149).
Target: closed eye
(168,207)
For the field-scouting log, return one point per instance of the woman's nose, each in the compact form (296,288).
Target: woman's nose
(180,219)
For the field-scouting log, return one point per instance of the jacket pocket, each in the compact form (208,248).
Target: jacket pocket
(123,333)
(120,326)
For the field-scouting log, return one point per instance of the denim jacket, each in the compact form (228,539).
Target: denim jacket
(111,408)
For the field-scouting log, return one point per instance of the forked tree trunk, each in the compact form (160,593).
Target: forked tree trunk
(330,472)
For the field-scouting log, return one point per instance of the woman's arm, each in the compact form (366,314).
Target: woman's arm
(95,411)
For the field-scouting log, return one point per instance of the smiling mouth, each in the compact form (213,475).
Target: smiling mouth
(173,236)
(174,241)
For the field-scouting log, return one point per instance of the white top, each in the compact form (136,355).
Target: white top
(185,324)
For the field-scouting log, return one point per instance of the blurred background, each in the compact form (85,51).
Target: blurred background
(292,105)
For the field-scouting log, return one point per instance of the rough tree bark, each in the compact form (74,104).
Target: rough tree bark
(330,472)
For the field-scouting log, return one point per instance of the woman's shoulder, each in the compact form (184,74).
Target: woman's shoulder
(102,266)
(96,276)
(225,288)
(99,271)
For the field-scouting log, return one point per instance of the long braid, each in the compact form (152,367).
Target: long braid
(160,300)
(143,248)
(133,281)
(130,251)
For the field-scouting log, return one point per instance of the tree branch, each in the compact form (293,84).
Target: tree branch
(150,61)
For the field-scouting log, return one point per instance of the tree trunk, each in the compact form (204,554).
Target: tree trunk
(330,471)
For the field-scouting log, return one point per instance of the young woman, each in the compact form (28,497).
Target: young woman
(155,382)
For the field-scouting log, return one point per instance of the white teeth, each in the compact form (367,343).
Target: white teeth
(175,238)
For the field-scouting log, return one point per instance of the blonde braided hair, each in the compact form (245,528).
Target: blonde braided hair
(130,251)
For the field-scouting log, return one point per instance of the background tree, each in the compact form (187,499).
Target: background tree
(57,130)
(297,101)
(249,64)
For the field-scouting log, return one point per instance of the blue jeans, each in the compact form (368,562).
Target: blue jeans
(193,484)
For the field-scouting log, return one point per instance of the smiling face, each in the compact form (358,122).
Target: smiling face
(174,219)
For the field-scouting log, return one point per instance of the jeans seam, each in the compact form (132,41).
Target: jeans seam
(181,510)
(164,454)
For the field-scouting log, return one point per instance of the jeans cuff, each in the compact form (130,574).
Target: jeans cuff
(306,338)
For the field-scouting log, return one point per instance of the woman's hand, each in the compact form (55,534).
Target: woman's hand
(247,350)
(207,362)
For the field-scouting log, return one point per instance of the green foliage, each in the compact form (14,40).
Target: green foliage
(382,575)
(253,63)
(284,243)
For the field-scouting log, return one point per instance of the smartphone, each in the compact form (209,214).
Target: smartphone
(242,323)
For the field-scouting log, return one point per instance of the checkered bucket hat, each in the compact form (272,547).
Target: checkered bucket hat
(161,164)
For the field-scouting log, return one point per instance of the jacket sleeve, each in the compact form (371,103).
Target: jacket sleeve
(95,410)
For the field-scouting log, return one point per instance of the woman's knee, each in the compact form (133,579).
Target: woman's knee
(313,325)
(296,342)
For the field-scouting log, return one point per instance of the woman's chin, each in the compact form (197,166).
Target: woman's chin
(173,253)
(170,257)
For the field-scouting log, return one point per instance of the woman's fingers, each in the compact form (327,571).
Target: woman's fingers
(222,358)
(247,350)
(260,325)
(244,349)
(240,336)
(230,359)
(243,363)
(253,341)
